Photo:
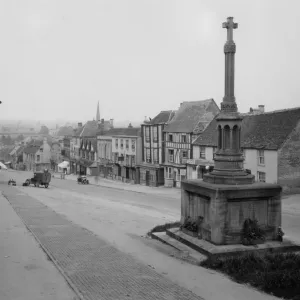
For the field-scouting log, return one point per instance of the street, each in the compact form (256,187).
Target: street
(122,218)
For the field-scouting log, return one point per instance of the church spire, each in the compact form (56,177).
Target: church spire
(98,113)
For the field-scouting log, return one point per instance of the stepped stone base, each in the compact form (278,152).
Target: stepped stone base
(212,250)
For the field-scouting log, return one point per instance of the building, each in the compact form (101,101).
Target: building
(270,143)
(16,156)
(126,153)
(104,150)
(56,155)
(189,121)
(37,155)
(153,152)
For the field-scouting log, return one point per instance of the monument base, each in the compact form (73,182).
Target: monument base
(223,209)
(211,250)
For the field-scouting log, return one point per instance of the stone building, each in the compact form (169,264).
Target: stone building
(104,150)
(270,143)
(126,153)
(189,121)
(153,149)
(37,155)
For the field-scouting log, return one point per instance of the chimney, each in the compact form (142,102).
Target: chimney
(251,110)
(261,108)
(102,121)
(129,126)
(111,122)
(79,125)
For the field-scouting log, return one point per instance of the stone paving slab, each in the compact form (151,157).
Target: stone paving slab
(93,268)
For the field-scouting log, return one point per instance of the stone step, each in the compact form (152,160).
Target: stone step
(184,249)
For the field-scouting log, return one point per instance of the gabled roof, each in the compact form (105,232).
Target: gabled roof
(259,131)
(90,128)
(193,116)
(129,131)
(163,117)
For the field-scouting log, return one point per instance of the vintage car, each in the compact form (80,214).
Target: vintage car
(41,178)
(12,182)
(82,179)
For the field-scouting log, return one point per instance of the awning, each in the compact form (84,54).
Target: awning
(3,166)
(64,165)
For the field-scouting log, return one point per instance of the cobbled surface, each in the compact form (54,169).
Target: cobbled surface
(95,269)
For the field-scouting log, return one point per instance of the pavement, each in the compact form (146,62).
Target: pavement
(26,273)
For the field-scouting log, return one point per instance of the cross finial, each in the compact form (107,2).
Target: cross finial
(230,25)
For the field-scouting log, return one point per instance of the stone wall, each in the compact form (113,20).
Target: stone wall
(289,160)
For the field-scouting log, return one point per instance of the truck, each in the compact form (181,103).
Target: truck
(41,178)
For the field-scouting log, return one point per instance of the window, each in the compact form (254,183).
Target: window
(92,156)
(202,152)
(147,133)
(133,145)
(168,173)
(261,176)
(214,151)
(133,159)
(155,134)
(184,154)
(155,156)
(127,159)
(127,144)
(148,156)
(171,155)
(170,138)
(38,157)
(117,143)
(261,157)
(122,145)
(41,149)
(183,138)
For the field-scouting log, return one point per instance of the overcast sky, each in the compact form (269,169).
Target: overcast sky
(58,58)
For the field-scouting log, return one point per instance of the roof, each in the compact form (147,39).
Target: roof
(259,131)
(90,128)
(163,117)
(31,149)
(193,116)
(65,131)
(127,131)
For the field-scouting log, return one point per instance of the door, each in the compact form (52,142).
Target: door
(174,178)
(147,178)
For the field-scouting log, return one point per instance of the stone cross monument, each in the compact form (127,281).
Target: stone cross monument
(229,157)
(228,196)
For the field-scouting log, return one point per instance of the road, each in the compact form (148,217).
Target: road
(123,218)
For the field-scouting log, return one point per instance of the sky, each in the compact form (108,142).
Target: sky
(58,58)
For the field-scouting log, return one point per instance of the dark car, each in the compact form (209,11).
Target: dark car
(82,179)
(12,182)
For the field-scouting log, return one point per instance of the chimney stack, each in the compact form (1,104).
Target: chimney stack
(261,108)
(79,125)
(111,122)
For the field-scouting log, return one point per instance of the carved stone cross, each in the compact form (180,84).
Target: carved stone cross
(230,25)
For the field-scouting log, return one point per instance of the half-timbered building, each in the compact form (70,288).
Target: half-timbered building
(189,121)
(151,168)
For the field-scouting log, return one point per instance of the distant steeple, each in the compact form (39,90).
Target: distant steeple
(98,113)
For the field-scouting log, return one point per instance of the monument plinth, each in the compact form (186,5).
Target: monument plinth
(228,196)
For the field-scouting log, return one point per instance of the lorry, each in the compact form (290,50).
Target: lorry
(41,178)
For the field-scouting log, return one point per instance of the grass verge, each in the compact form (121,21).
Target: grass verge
(277,274)
(164,227)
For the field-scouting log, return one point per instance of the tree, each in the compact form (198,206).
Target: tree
(44,130)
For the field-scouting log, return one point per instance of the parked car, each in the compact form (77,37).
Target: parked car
(12,182)
(82,179)
(41,178)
